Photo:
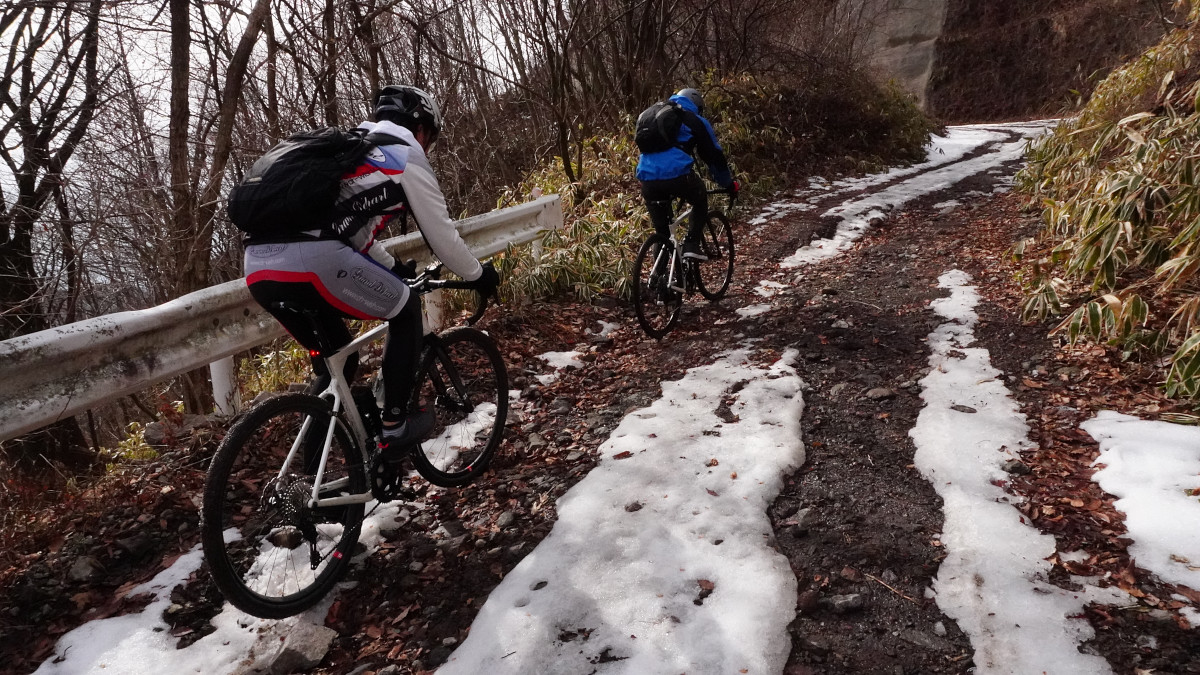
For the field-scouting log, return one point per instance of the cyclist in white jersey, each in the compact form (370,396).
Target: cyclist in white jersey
(341,272)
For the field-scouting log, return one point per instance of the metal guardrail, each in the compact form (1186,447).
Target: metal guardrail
(57,373)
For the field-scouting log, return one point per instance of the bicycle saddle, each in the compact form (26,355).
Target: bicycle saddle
(307,324)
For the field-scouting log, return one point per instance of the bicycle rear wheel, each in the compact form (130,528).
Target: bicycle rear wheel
(714,275)
(272,555)
(656,304)
(463,377)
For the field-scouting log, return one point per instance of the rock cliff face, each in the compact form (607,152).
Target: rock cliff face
(903,44)
(988,60)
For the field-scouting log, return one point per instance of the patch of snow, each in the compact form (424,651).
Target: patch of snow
(1153,468)
(672,510)
(754,310)
(994,580)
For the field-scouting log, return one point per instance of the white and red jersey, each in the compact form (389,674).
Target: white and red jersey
(395,177)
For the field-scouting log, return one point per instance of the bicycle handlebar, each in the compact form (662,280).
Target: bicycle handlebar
(429,280)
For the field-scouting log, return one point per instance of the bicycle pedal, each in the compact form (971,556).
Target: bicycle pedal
(389,478)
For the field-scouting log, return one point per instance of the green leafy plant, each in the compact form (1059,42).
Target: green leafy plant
(273,370)
(131,448)
(1120,248)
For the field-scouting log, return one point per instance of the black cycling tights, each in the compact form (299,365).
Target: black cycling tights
(659,193)
(321,321)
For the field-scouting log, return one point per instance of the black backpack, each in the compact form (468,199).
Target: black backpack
(658,127)
(294,186)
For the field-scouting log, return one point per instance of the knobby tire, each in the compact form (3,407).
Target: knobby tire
(713,276)
(463,377)
(264,565)
(656,305)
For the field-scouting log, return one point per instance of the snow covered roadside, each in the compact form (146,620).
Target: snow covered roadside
(856,215)
(141,643)
(1154,469)
(661,556)
(943,150)
(945,154)
(994,581)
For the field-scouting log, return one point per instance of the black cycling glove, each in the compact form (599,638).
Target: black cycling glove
(406,269)
(487,282)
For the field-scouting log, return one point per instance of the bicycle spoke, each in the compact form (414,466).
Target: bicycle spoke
(466,383)
(655,303)
(270,553)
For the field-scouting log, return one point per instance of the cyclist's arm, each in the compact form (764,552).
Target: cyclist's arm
(710,150)
(428,207)
(391,178)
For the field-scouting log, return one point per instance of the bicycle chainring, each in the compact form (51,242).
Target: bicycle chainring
(389,479)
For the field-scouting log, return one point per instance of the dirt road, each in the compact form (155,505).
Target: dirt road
(841,273)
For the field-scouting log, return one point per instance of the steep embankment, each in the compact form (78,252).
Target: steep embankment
(1021,58)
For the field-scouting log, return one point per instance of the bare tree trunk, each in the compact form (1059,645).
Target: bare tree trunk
(38,164)
(235,79)
(329,83)
(272,112)
(202,212)
(183,200)
(70,256)
(190,247)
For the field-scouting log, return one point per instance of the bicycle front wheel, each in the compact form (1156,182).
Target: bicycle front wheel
(656,304)
(270,553)
(714,275)
(463,377)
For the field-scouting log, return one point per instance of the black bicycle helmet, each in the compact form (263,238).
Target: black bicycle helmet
(693,96)
(409,107)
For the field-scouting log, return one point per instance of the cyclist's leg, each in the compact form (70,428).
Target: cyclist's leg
(344,283)
(326,320)
(693,190)
(400,356)
(321,328)
(658,195)
(366,289)
(327,278)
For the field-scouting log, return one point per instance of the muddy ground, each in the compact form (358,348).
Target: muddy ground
(856,520)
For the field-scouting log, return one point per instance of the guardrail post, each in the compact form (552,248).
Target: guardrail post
(225,386)
(432,311)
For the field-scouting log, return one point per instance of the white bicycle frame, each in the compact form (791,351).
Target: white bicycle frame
(339,391)
(674,274)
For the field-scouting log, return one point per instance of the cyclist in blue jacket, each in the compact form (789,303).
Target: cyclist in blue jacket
(668,174)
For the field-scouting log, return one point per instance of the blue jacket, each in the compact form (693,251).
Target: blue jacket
(696,134)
